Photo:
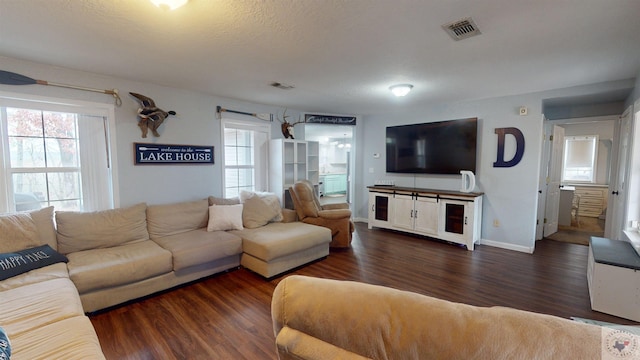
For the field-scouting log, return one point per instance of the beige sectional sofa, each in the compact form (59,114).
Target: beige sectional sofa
(123,254)
(362,321)
(41,310)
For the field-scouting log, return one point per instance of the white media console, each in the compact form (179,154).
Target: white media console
(447,215)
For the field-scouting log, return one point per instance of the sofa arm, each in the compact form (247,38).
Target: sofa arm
(289,215)
(293,344)
(334,214)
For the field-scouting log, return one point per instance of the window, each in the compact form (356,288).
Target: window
(580,158)
(245,157)
(54,155)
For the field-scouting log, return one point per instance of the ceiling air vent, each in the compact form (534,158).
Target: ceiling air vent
(282,86)
(462,29)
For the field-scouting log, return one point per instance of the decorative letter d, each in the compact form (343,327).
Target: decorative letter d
(500,162)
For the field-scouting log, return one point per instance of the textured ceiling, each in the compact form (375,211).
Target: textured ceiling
(341,56)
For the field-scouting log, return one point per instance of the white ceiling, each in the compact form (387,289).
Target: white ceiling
(341,55)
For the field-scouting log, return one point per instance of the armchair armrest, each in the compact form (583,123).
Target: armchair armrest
(335,206)
(335,214)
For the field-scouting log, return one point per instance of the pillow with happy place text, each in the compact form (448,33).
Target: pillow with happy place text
(20,262)
(225,217)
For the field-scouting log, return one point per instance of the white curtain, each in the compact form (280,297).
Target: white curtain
(95,163)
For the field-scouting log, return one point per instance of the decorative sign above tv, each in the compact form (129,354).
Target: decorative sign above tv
(329,119)
(159,154)
(442,147)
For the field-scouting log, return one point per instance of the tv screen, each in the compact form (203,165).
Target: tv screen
(442,147)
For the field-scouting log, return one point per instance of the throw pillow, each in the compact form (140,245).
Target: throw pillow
(270,199)
(225,217)
(46,228)
(5,345)
(19,262)
(256,212)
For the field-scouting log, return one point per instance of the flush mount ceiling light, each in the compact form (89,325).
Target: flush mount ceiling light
(401,89)
(169,4)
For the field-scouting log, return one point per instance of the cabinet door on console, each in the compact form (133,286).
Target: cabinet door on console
(426,215)
(380,209)
(403,213)
(455,219)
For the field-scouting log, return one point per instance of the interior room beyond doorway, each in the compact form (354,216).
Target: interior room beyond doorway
(587,155)
(335,149)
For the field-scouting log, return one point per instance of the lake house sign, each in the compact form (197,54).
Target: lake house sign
(160,154)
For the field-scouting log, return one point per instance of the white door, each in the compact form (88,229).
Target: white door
(553,182)
(542,179)
(614,223)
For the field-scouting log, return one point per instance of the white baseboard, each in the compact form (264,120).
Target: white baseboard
(502,245)
(498,244)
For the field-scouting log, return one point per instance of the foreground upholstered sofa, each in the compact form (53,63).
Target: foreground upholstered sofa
(361,321)
(88,261)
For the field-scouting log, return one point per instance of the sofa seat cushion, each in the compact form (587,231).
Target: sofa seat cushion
(200,246)
(124,264)
(36,305)
(55,271)
(69,339)
(275,240)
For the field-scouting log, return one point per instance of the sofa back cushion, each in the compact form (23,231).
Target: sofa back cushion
(172,219)
(46,228)
(17,232)
(79,231)
(213,200)
(304,200)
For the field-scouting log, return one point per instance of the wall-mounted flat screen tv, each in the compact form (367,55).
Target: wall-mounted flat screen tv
(442,147)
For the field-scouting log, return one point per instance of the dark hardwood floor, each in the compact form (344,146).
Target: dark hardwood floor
(227,316)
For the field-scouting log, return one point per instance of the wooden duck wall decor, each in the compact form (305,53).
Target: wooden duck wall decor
(150,116)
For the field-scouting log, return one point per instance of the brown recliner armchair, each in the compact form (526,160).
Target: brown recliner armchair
(336,217)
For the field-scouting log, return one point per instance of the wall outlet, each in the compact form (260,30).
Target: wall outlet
(496,223)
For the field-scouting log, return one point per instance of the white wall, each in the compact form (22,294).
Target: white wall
(511,194)
(195,124)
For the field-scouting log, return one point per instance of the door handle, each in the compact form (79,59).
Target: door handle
(614,193)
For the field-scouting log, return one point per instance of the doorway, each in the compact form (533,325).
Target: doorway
(580,211)
(335,151)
